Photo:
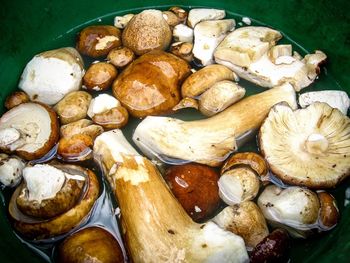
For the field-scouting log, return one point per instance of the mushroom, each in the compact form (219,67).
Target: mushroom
(46,192)
(246,45)
(220,96)
(207,36)
(246,220)
(97,41)
(186,103)
(307,147)
(182,50)
(329,212)
(179,12)
(82,126)
(10,170)
(183,33)
(16,98)
(245,51)
(147,31)
(99,76)
(121,21)
(171,18)
(197,15)
(102,103)
(150,84)
(211,140)
(91,243)
(29,137)
(121,57)
(203,79)
(196,188)
(273,248)
(156,227)
(334,98)
(50,75)
(294,208)
(73,106)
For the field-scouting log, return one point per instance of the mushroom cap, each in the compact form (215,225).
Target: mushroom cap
(307,147)
(38,126)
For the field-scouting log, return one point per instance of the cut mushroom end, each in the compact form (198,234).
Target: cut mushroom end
(11,168)
(30,138)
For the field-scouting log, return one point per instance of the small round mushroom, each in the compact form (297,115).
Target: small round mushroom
(121,57)
(48,191)
(180,13)
(171,18)
(238,185)
(82,126)
(273,248)
(147,31)
(11,168)
(30,130)
(114,118)
(121,21)
(329,212)
(307,147)
(294,207)
(102,103)
(245,220)
(47,188)
(182,50)
(73,106)
(16,98)
(220,96)
(50,75)
(75,148)
(90,243)
(97,41)
(195,186)
(99,76)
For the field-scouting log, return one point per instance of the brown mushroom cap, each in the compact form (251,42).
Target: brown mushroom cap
(38,126)
(307,147)
(150,84)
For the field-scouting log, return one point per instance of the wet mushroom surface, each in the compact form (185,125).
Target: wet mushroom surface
(179,192)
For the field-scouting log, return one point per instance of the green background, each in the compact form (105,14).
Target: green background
(29,27)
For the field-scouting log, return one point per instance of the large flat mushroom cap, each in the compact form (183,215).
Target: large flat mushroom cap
(307,147)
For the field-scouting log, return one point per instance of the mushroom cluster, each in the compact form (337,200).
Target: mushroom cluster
(190,198)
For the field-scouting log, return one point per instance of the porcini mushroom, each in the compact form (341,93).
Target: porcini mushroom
(121,21)
(307,147)
(207,36)
(183,33)
(156,227)
(29,137)
(50,75)
(208,141)
(335,98)
(197,15)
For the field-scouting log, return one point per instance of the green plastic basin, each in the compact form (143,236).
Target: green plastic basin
(29,27)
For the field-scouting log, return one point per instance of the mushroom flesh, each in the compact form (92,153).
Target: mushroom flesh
(11,168)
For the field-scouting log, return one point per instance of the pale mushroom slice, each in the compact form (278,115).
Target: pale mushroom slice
(29,129)
(197,15)
(334,98)
(246,45)
(207,36)
(307,147)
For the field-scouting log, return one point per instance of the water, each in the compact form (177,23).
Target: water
(104,212)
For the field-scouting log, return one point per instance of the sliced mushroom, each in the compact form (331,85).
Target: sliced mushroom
(29,129)
(246,45)
(294,207)
(307,147)
(220,96)
(197,15)
(121,21)
(183,33)
(207,36)
(334,98)
(11,168)
(245,220)
(50,75)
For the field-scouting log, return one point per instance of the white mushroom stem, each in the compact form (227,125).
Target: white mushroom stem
(183,33)
(207,36)
(208,141)
(156,227)
(10,170)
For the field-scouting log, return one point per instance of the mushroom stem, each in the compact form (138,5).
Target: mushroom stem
(316,143)
(208,141)
(156,227)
